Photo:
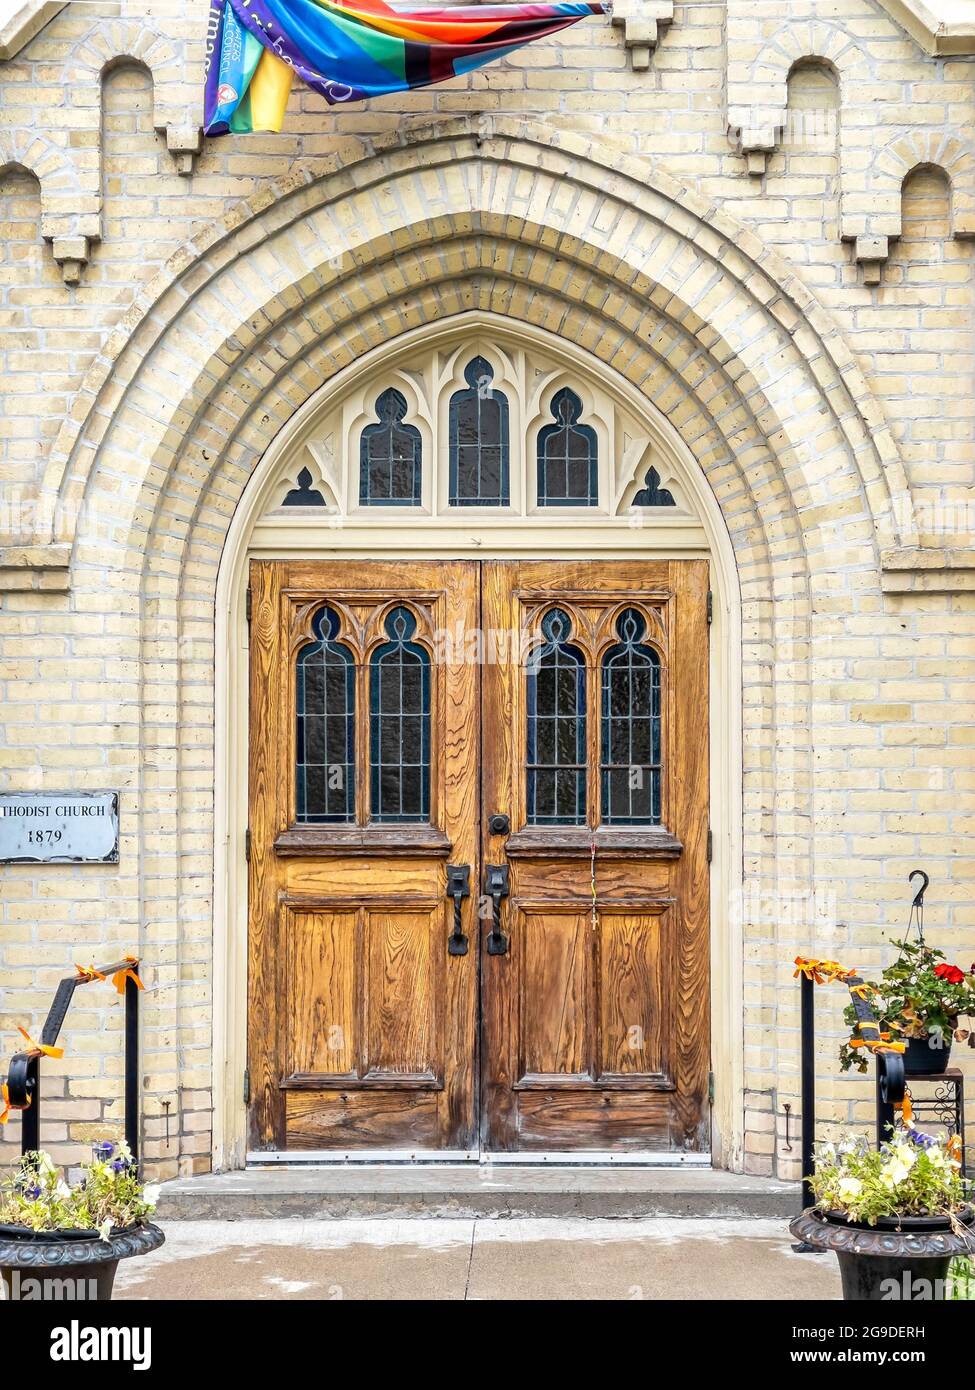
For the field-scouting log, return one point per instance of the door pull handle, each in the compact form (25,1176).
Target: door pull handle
(497,885)
(458,888)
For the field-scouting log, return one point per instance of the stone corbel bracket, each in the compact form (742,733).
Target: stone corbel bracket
(641,22)
(184,143)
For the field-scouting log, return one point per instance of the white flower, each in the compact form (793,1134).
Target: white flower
(62,1189)
(105,1228)
(44,1164)
(897,1170)
(850,1188)
(150,1194)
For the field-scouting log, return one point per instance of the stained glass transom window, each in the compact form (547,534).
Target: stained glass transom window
(390,456)
(567,457)
(630,758)
(556,751)
(325,733)
(399,724)
(478,444)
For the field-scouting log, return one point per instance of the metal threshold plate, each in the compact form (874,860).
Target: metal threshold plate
(578,1159)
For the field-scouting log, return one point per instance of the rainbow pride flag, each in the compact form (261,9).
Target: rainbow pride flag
(350,52)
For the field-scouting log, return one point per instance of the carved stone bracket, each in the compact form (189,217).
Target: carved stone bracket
(184,143)
(641,22)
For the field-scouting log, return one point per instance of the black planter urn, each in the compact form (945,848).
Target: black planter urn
(920,1057)
(902,1259)
(47,1266)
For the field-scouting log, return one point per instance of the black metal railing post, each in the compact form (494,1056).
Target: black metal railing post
(132,1066)
(807,1029)
(30,1120)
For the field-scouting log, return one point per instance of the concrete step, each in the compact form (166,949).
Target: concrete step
(473,1190)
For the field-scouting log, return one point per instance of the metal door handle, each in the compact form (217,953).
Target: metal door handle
(458,888)
(497,885)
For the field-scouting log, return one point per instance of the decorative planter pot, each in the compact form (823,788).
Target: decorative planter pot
(919,1057)
(903,1258)
(51,1265)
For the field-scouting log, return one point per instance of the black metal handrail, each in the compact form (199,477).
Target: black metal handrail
(24,1072)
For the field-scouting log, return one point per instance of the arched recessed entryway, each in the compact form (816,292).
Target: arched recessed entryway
(672,307)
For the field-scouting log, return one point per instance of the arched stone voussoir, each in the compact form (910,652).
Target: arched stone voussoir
(592,206)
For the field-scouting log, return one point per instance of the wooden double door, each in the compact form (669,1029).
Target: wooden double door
(478,878)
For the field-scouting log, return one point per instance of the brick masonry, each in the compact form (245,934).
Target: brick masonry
(737,227)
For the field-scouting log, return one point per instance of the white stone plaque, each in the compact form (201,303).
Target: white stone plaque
(59,827)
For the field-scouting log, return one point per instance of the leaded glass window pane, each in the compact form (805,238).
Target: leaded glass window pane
(399,724)
(652,494)
(390,457)
(478,429)
(630,769)
(325,733)
(567,457)
(556,752)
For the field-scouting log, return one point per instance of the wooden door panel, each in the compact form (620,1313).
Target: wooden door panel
(363,1028)
(596,1024)
(564,1120)
(403,989)
(632,979)
(369,1119)
(554,1015)
(324,1024)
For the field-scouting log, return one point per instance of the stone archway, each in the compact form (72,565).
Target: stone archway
(686,307)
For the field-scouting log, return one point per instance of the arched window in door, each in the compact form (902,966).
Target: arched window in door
(567,457)
(325,726)
(399,724)
(556,743)
(630,760)
(478,440)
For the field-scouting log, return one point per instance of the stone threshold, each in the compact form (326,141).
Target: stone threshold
(474,1190)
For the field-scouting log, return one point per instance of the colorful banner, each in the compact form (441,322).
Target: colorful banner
(351,52)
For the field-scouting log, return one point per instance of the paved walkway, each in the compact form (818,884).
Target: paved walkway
(478,1259)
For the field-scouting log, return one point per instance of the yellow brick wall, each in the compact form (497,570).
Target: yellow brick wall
(832,417)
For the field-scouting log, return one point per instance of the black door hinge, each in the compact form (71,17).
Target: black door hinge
(710,845)
(247,1087)
(710,1088)
(249,605)
(247,844)
(710,607)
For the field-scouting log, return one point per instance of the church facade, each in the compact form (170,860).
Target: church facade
(508,547)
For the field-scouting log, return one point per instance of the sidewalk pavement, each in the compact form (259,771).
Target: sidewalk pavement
(538,1259)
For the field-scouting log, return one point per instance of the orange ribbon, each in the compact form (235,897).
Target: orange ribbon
(128,973)
(36,1049)
(8,1104)
(88,973)
(878,1045)
(820,971)
(907,1110)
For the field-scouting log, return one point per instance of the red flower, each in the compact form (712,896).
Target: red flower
(950,973)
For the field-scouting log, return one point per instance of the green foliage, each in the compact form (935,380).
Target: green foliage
(961,1279)
(913,1175)
(110,1194)
(912,1000)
